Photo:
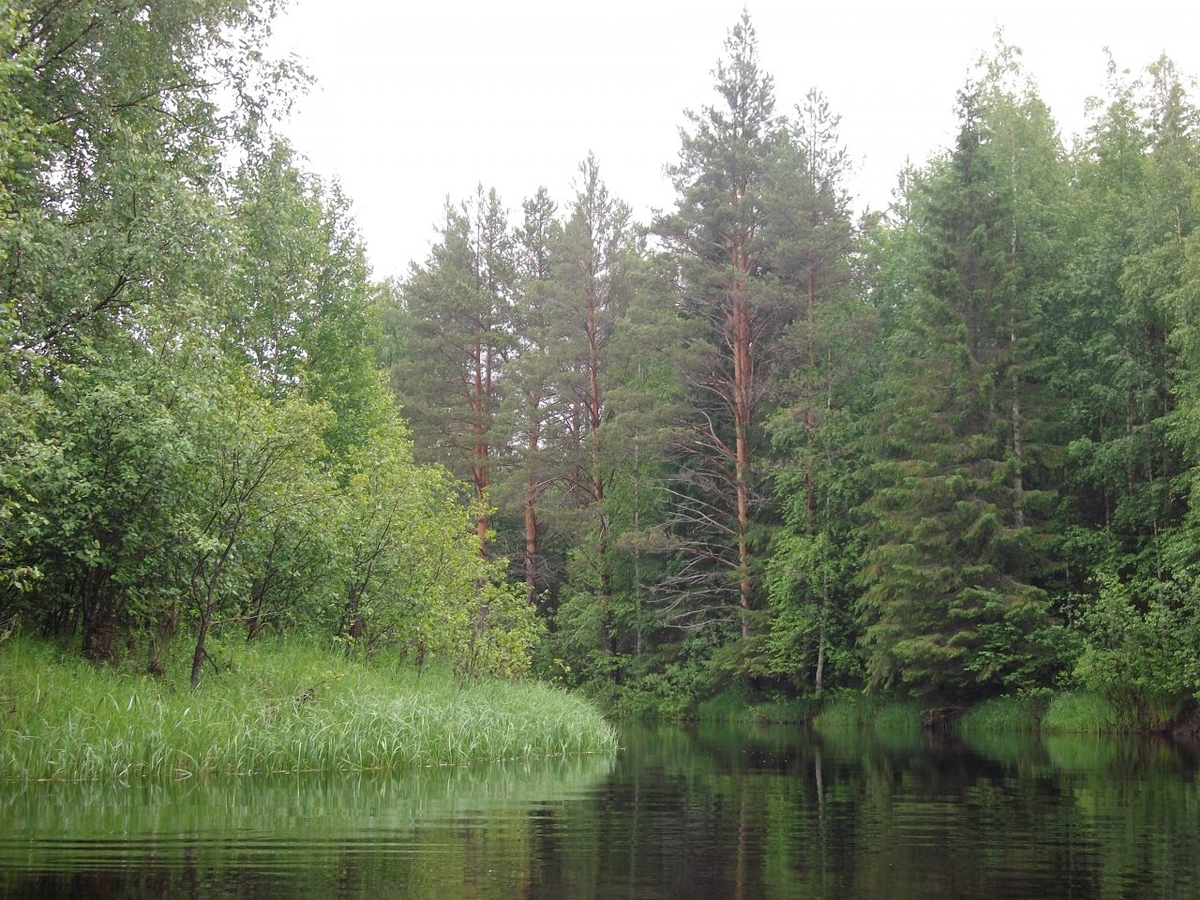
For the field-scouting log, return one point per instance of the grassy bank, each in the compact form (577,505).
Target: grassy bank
(275,709)
(1000,714)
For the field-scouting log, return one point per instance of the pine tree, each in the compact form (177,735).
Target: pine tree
(457,315)
(716,235)
(594,256)
(532,397)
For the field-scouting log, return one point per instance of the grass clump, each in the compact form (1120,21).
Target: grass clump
(843,712)
(850,711)
(898,717)
(278,709)
(1000,714)
(728,706)
(731,705)
(1080,712)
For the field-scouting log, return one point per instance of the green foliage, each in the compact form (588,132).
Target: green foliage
(24,460)
(954,603)
(115,484)
(17,127)
(844,711)
(197,440)
(731,705)
(455,327)
(809,628)
(950,451)
(1141,655)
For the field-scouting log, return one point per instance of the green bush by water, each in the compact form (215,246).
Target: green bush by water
(844,712)
(277,709)
(897,717)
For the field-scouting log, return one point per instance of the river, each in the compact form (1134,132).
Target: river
(681,812)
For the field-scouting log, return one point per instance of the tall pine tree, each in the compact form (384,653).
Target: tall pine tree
(716,236)
(457,319)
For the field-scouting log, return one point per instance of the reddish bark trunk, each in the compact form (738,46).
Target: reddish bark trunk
(743,382)
(531,539)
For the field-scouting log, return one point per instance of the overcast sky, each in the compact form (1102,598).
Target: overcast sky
(417,101)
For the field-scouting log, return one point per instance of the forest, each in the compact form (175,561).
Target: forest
(761,444)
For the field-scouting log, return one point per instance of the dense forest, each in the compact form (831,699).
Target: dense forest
(947,450)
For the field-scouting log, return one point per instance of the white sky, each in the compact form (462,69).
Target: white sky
(417,100)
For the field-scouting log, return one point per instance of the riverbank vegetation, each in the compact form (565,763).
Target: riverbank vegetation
(275,709)
(943,453)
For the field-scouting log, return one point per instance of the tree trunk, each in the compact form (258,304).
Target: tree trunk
(810,416)
(201,638)
(531,540)
(743,380)
(480,463)
(595,414)
(531,496)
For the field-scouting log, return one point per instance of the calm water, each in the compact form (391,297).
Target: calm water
(690,813)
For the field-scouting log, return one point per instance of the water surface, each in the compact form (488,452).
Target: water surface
(702,812)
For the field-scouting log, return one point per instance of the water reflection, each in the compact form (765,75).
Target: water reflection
(370,835)
(681,812)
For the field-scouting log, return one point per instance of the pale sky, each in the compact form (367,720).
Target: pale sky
(417,101)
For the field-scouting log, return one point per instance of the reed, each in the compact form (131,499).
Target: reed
(844,711)
(277,709)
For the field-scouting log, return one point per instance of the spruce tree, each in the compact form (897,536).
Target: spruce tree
(952,598)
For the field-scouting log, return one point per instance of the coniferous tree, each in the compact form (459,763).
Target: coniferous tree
(593,283)
(716,235)
(457,315)
(952,598)
(816,434)
(533,386)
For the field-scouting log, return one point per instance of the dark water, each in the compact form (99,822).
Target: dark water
(690,813)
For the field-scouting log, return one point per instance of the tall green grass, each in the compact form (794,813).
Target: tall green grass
(1081,712)
(1000,714)
(849,711)
(732,706)
(278,709)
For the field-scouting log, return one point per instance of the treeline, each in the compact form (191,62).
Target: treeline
(195,434)
(948,450)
